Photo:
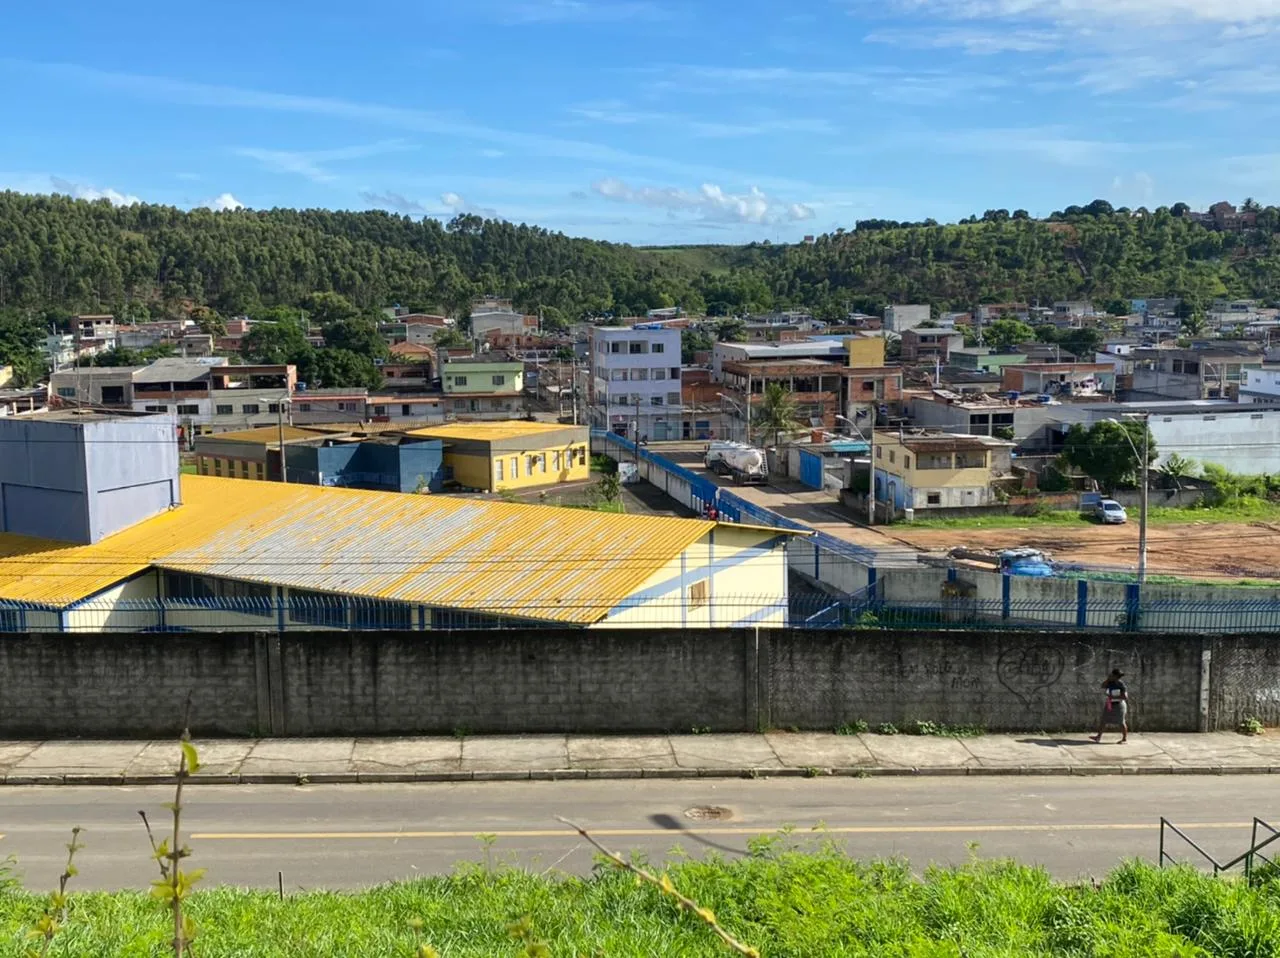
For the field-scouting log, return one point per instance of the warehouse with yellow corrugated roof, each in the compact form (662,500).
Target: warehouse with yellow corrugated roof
(119,543)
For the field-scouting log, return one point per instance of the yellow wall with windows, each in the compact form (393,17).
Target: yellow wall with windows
(229,468)
(728,576)
(469,471)
(930,478)
(550,464)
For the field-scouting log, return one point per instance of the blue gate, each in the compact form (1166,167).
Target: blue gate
(810,469)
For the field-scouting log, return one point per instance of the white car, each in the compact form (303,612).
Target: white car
(1109,512)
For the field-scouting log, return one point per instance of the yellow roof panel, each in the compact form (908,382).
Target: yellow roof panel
(527,561)
(494,431)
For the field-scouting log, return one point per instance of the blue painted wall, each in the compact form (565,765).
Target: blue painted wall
(369,465)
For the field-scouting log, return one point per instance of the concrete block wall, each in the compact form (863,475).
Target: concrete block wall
(548,680)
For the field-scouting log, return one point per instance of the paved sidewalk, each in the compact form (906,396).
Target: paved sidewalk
(511,758)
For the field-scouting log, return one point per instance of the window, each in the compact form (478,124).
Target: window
(658,374)
(933,460)
(542,461)
(528,464)
(217,467)
(498,470)
(1210,418)
(891,455)
(879,452)
(640,375)
(304,407)
(499,380)
(698,594)
(582,455)
(555,460)
(1002,419)
(615,347)
(343,406)
(658,348)
(1255,415)
(655,400)
(868,385)
(203,465)
(188,409)
(406,410)
(906,461)
(675,372)
(515,467)
(317,608)
(673,399)
(617,375)
(273,407)
(459,380)
(460,405)
(67,392)
(250,409)
(257,470)
(198,588)
(934,498)
(636,349)
(157,409)
(971,460)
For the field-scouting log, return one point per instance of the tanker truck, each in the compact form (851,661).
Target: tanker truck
(746,465)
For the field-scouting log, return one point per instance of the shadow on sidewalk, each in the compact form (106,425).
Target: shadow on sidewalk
(1055,742)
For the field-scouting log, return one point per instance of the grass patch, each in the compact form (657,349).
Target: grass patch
(188,469)
(1244,510)
(779,901)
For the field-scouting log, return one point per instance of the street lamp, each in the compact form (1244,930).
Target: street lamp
(1144,418)
(280,404)
(840,418)
(736,405)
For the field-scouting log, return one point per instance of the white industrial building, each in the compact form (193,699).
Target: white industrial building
(900,318)
(636,380)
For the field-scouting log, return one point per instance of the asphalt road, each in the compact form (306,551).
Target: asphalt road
(339,836)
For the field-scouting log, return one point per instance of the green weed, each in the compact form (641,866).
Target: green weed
(857,727)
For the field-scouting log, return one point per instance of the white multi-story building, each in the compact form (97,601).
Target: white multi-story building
(59,351)
(899,318)
(636,380)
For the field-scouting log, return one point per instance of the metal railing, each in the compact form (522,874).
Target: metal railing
(1247,858)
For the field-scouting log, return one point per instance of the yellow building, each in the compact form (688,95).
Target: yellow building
(261,555)
(865,351)
(515,454)
(921,470)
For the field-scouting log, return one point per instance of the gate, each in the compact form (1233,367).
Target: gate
(810,469)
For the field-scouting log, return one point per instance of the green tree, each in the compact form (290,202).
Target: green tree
(275,343)
(777,413)
(451,338)
(694,341)
(20,339)
(209,322)
(1082,342)
(326,308)
(117,356)
(1109,451)
(731,331)
(355,334)
(330,368)
(1005,333)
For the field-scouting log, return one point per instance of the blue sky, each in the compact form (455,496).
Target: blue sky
(648,121)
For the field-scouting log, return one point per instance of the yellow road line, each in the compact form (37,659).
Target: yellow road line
(708,832)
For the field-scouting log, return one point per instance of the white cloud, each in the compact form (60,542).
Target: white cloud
(1046,144)
(311,164)
(457,205)
(617,113)
(972,41)
(393,201)
(709,202)
(223,202)
(1084,11)
(83,192)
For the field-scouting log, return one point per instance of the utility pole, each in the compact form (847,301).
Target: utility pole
(284,471)
(637,457)
(1142,525)
(749,407)
(871,458)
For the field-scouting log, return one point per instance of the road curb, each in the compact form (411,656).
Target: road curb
(83,779)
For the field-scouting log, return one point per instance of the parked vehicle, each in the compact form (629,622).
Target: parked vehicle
(747,465)
(1109,512)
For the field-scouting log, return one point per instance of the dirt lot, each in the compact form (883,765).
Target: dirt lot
(1211,550)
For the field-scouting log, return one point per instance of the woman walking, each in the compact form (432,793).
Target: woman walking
(1115,707)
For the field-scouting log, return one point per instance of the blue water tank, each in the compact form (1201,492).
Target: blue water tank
(1012,395)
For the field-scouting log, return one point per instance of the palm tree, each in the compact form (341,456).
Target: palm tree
(777,413)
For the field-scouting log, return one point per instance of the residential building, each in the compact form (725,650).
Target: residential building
(413,352)
(496,315)
(1157,307)
(1024,421)
(930,345)
(101,328)
(414,376)
(324,457)
(403,409)
(900,318)
(337,405)
(1073,307)
(990,312)
(96,542)
(981,357)
(18,402)
(832,349)
(824,392)
(1062,380)
(109,386)
(921,470)
(1225,217)
(1210,373)
(210,395)
(636,381)
(486,387)
(59,351)
(1261,387)
(492,456)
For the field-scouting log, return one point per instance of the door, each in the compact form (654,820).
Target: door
(810,469)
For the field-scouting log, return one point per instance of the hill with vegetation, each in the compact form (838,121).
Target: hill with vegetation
(59,256)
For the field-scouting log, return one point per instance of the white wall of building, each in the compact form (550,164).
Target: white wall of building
(621,375)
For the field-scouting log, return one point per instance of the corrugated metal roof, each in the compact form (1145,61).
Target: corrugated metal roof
(267,435)
(494,431)
(178,372)
(528,561)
